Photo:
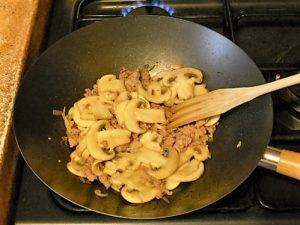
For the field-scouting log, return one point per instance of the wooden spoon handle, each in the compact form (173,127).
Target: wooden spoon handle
(282,161)
(289,164)
(275,85)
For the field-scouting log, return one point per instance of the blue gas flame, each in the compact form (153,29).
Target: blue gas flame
(157,3)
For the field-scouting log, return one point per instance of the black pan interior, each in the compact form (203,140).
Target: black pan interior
(61,74)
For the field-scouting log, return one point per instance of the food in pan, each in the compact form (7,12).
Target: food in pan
(118,130)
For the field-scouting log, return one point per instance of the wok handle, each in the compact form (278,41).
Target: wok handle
(282,161)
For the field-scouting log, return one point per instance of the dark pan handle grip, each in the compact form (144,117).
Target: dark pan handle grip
(282,161)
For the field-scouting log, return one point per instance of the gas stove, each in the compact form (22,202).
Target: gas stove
(269,32)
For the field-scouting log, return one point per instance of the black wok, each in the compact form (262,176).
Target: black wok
(61,74)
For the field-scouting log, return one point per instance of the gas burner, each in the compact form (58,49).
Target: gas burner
(154,7)
(148,10)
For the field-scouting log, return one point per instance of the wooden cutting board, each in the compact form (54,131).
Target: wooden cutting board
(22,25)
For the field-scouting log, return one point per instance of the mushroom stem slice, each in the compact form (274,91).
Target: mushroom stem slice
(96,167)
(171,184)
(200,89)
(189,171)
(169,167)
(155,93)
(201,152)
(150,115)
(120,112)
(151,140)
(212,120)
(93,108)
(152,158)
(131,122)
(185,87)
(77,119)
(97,150)
(109,82)
(136,196)
(75,169)
(114,137)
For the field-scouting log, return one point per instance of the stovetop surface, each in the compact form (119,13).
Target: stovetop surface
(269,31)
(36,206)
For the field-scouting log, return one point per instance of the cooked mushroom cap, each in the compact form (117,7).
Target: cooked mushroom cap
(110,83)
(120,112)
(136,190)
(134,113)
(78,158)
(200,89)
(76,169)
(201,152)
(130,119)
(183,79)
(189,171)
(74,113)
(185,87)
(150,157)
(94,108)
(96,167)
(169,167)
(136,196)
(110,168)
(98,150)
(114,137)
(151,140)
(155,92)
(212,120)
(126,161)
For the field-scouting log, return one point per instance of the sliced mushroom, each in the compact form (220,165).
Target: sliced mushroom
(136,188)
(96,167)
(201,152)
(166,77)
(110,85)
(110,168)
(77,119)
(183,79)
(99,151)
(151,140)
(120,112)
(94,108)
(123,96)
(76,168)
(150,115)
(134,113)
(108,95)
(81,153)
(212,120)
(116,181)
(114,137)
(138,196)
(200,89)
(186,155)
(162,165)
(185,87)
(150,157)
(126,161)
(155,92)
(172,98)
(169,167)
(188,172)
(78,158)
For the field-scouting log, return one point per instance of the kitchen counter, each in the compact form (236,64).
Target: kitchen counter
(22,25)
